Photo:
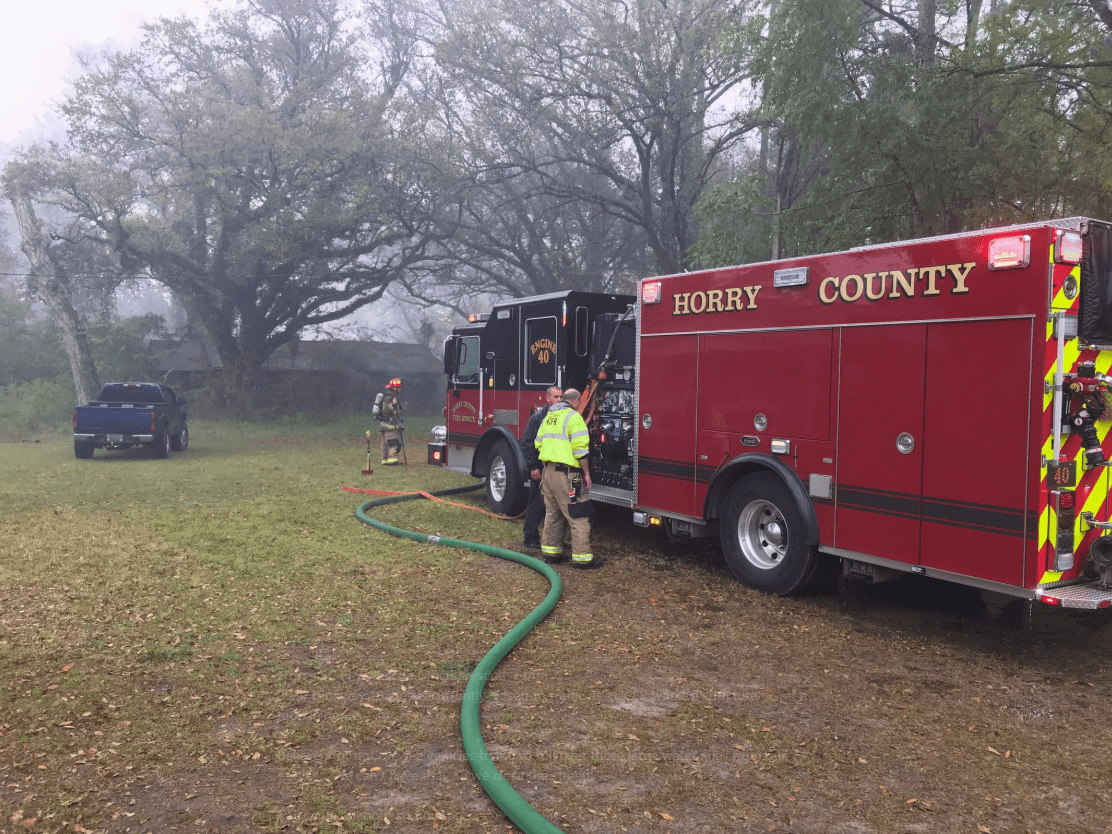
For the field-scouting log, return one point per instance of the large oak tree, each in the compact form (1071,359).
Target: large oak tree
(253,165)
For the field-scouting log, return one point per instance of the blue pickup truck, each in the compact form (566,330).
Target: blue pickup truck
(127,414)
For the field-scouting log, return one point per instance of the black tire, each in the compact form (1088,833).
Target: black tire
(83,449)
(764,536)
(180,441)
(504,481)
(161,446)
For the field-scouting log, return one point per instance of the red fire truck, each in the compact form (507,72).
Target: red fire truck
(935,406)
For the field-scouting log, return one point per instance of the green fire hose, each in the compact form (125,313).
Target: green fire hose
(520,812)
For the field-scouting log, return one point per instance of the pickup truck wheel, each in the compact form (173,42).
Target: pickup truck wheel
(83,449)
(180,441)
(161,446)
(763,533)
(505,485)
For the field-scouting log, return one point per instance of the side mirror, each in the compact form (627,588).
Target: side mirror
(451,355)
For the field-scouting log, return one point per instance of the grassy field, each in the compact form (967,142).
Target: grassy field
(214,643)
(144,604)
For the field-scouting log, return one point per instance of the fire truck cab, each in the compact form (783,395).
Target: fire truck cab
(936,407)
(498,368)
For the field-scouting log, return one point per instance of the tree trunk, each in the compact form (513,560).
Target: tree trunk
(49,283)
(926,40)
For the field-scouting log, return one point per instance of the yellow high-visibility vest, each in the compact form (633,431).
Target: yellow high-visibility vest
(563,436)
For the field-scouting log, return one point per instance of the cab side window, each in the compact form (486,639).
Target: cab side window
(468,372)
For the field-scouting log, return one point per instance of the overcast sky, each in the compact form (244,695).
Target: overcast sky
(40,36)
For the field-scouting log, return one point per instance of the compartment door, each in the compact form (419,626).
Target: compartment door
(976,519)
(665,478)
(878,501)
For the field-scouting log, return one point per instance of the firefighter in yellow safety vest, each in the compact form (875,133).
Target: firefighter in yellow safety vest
(563,443)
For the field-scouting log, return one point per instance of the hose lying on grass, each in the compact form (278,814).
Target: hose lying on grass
(520,812)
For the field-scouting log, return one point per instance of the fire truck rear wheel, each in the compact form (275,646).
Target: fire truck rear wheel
(504,482)
(762,533)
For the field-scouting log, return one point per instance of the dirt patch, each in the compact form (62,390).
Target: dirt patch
(659,696)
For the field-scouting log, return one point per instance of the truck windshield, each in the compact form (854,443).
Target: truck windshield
(138,394)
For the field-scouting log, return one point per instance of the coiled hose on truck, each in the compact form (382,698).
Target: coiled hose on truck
(520,812)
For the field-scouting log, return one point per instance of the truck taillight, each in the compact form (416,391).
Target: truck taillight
(1068,250)
(154,418)
(75,418)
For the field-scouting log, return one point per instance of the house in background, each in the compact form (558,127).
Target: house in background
(330,372)
(367,367)
(191,361)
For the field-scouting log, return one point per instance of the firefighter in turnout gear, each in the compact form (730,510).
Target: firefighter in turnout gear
(562,445)
(534,507)
(388,411)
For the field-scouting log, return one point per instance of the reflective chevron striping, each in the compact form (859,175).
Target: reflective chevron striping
(1092,484)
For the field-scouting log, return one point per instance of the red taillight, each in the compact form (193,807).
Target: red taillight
(1009,252)
(1049,600)
(154,418)
(75,418)
(1067,500)
(1068,250)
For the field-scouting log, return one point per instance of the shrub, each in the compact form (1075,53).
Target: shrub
(35,407)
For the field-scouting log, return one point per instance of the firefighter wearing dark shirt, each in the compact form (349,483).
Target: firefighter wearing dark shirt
(534,508)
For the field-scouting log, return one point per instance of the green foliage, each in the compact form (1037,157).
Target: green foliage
(735,228)
(36,388)
(120,348)
(1048,69)
(32,346)
(886,126)
(30,409)
(898,139)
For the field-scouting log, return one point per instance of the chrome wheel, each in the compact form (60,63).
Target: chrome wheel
(496,481)
(504,481)
(762,534)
